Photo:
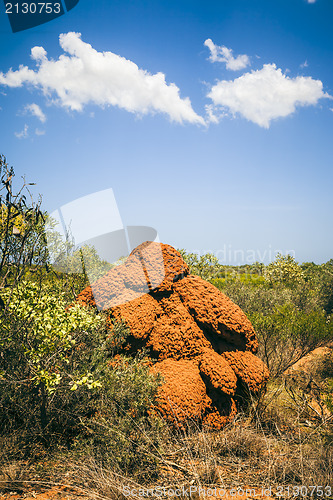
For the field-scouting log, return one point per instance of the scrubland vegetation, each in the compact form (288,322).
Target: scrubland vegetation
(74,412)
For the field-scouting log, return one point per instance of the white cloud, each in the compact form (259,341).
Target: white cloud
(83,75)
(23,134)
(266,94)
(211,115)
(35,110)
(311,1)
(305,64)
(214,114)
(39,132)
(220,53)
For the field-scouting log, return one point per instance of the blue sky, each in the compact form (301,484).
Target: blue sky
(211,121)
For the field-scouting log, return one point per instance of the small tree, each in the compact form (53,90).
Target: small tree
(37,337)
(22,241)
(206,266)
(36,329)
(320,277)
(288,334)
(84,260)
(284,270)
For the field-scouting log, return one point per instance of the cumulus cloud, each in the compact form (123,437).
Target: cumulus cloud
(23,134)
(220,53)
(266,94)
(83,75)
(35,110)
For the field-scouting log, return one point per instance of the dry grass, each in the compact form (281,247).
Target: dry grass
(278,441)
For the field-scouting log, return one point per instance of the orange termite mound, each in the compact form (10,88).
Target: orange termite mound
(204,344)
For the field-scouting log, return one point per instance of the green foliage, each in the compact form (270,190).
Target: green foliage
(287,334)
(289,321)
(63,257)
(206,266)
(288,304)
(41,331)
(120,433)
(322,373)
(284,270)
(22,242)
(63,382)
(12,220)
(84,260)
(252,298)
(38,335)
(321,279)
(233,276)
(59,382)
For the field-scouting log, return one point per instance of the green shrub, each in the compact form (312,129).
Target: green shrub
(22,242)
(61,384)
(288,334)
(284,270)
(37,339)
(321,279)
(289,321)
(206,266)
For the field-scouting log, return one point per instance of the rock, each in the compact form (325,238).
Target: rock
(204,344)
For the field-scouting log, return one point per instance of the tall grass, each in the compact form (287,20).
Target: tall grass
(276,442)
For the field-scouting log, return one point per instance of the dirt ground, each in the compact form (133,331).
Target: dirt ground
(50,494)
(247,492)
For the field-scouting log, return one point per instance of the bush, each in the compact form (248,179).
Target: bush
(22,242)
(289,321)
(284,270)
(61,384)
(206,266)
(38,337)
(288,334)
(119,433)
(321,279)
